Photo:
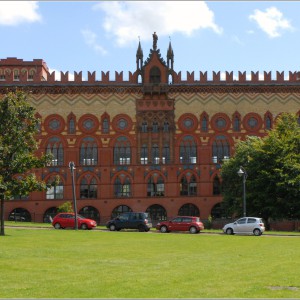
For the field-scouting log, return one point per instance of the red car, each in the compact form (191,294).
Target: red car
(181,223)
(64,220)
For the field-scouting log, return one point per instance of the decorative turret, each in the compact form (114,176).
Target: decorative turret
(139,57)
(170,57)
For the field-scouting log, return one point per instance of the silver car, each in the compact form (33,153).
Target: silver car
(246,225)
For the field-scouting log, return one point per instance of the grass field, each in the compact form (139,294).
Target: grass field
(48,263)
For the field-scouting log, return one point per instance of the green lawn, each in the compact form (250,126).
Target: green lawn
(41,263)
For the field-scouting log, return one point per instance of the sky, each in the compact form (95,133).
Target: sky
(104,35)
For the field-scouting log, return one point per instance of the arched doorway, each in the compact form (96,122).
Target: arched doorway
(157,213)
(189,209)
(20,215)
(49,214)
(90,212)
(119,210)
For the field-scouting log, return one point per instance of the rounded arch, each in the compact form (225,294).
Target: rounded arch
(49,214)
(221,147)
(220,122)
(188,122)
(217,211)
(119,210)
(122,184)
(252,122)
(88,123)
(122,123)
(55,192)
(90,212)
(88,185)
(19,214)
(157,213)
(186,150)
(189,209)
(155,182)
(188,183)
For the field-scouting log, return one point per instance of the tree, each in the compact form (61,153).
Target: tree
(65,207)
(273,167)
(18,128)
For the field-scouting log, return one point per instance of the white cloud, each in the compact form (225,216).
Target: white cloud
(128,20)
(91,40)
(271,21)
(13,13)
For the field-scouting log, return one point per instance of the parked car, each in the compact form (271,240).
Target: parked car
(130,220)
(181,223)
(64,220)
(246,225)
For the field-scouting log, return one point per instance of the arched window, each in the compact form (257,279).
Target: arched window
(188,151)
(144,154)
(55,148)
(216,186)
(72,128)
(88,152)
(122,186)
(166,126)
(166,154)
(220,149)
(16,75)
(144,127)
(20,214)
(218,212)
(188,186)
(155,154)
(155,75)
(49,214)
(122,151)
(268,123)
(204,124)
(55,192)
(155,127)
(105,125)
(156,186)
(88,188)
(189,209)
(31,75)
(236,124)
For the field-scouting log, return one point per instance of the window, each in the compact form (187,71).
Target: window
(220,149)
(55,192)
(122,186)
(88,188)
(188,151)
(72,128)
(120,210)
(16,75)
(236,124)
(144,154)
(155,154)
(188,187)
(166,126)
(105,126)
(122,151)
(166,154)
(155,75)
(242,221)
(155,127)
(189,209)
(216,186)
(31,75)
(268,123)
(155,187)
(55,148)
(144,127)
(204,124)
(2,75)
(157,212)
(88,152)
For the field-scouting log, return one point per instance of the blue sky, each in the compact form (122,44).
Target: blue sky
(104,35)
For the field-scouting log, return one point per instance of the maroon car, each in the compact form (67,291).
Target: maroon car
(181,223)
(64,220)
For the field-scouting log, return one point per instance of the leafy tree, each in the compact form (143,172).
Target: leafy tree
(18,127)
(273,168)
(66,207)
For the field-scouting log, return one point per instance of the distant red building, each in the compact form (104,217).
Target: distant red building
(152,143)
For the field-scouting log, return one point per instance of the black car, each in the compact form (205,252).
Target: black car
(130,220)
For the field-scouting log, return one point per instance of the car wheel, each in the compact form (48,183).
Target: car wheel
(256,232)
(112,227)
(163,229)
(57,226)
(141,228)
(229,231)
(193,230)
(83,226)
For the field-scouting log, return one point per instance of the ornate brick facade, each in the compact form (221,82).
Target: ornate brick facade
(153,143)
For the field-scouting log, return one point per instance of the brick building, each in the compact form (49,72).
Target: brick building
(151,143)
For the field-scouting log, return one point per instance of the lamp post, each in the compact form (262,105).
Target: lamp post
(242,172)
(72,168)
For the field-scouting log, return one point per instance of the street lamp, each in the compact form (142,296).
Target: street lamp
(242,172)
(72,168)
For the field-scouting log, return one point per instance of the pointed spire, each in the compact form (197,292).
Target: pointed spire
(170,55)
(139,56)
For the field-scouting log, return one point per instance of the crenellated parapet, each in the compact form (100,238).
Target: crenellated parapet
(16,72)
